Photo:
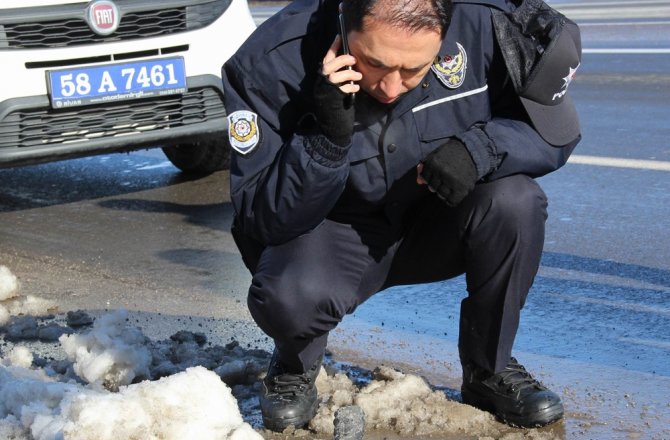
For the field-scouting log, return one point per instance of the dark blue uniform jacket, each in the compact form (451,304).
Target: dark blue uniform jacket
(284,187)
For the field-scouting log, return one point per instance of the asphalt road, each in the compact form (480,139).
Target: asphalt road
(128,231)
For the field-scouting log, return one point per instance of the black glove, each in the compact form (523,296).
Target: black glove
(334,111)
(450,171)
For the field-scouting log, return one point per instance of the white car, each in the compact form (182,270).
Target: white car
(79,78)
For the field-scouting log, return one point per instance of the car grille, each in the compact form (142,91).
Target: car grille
(41,127)
(36,28)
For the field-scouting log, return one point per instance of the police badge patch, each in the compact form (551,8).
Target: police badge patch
(450,69)
(243,131)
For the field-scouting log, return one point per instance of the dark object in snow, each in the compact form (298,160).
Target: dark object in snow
(78,318)
(52,331)
(349,423)
(21,328)
(184,336)
(237,372)
(61,366)
(26,328)
(164,369)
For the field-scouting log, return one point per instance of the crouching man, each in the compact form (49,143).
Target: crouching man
(409,158)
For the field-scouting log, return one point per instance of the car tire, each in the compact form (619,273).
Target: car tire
(202,157)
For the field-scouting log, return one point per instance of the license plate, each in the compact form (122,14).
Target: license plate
(116,82)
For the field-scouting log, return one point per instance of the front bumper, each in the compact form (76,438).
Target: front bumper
(32,132)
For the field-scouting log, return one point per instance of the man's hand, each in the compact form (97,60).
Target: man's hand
(333,108)
(449,171)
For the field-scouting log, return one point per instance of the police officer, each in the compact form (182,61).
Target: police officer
(409,160)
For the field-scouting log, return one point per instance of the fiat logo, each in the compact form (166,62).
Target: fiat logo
(103,17)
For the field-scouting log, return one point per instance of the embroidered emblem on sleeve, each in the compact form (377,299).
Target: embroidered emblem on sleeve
(243,131)
(450,69)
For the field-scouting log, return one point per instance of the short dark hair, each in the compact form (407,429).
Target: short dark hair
(412,15)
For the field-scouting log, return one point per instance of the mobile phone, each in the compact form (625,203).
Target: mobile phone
(343,36)
(345,42)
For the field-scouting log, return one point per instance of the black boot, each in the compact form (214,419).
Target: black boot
(288,398)
(512,395)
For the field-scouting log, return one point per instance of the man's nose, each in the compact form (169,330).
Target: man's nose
(391,84)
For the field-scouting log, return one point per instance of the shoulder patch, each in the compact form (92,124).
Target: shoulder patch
(243,132)
(450,69)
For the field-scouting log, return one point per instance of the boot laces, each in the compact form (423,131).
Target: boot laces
(289,384)
(515,377)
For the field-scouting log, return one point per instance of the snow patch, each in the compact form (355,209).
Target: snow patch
(111,355)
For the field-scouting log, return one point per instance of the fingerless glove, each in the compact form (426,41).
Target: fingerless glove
(450,171)
(334,111)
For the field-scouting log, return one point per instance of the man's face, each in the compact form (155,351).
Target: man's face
(392,60)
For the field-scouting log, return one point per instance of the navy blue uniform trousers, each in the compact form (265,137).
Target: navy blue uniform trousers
(303,288)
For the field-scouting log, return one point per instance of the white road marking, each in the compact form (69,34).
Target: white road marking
(629,51)
(626,11)
(558,5)
(624,23)
(647,342)
(617,162)
(641,308)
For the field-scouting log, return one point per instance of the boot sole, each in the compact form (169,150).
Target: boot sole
(545,416)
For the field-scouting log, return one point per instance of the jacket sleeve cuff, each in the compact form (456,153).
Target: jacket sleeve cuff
(325,152)
(482,150)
